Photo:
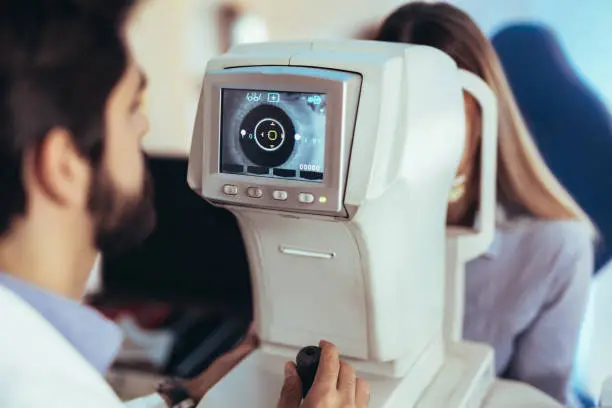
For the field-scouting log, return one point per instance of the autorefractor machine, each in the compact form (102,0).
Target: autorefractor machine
(337,158)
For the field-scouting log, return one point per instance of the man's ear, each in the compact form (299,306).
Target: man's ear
(60,171)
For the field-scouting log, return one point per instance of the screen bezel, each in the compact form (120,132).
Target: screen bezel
(335,84)
(297,170)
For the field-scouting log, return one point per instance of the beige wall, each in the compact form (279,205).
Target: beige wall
(173,40)
(300,19)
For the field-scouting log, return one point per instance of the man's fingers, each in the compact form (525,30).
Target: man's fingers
(329,366)
(347,380)
(362,394)
(291,394)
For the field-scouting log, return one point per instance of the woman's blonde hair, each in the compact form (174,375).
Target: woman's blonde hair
(525,184)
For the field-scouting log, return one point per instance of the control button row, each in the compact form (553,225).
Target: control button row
(279,195)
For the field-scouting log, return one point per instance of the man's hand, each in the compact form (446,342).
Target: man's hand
(200,385)
(335,385)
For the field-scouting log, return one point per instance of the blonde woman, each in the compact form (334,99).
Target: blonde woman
(527,295)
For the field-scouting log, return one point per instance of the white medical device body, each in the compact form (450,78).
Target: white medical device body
(337,159)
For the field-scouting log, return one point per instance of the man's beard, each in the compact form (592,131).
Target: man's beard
(121,221)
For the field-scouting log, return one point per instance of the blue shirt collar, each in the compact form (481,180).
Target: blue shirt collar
(97,338)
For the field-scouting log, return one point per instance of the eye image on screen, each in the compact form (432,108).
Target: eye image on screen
(273,134)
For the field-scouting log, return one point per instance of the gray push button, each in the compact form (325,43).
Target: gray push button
(306,198)
(230,189)
(254,192)
(279,195)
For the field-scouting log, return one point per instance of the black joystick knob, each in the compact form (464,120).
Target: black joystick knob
(307,362)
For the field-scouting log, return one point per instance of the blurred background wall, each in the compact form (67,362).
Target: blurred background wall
(173,40)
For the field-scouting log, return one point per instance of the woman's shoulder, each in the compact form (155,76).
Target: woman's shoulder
(562,232)
(565,239)
(559,252)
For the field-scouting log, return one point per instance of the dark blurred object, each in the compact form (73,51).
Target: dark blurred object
(201,340)
(570,124)
(196,255)
(148,315)
(195,263)
(199,337)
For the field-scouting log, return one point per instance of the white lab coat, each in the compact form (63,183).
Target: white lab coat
(40,369)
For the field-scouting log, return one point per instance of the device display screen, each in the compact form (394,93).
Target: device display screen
(273,134)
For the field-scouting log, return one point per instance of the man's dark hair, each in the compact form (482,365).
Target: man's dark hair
(59,61)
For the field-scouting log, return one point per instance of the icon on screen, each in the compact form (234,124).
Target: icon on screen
(253,96)
(273,97)
(315,99)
